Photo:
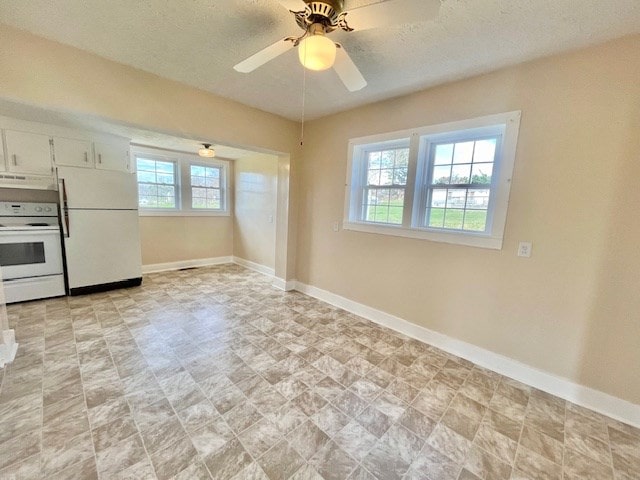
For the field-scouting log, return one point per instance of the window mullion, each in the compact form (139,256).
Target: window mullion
(410,188)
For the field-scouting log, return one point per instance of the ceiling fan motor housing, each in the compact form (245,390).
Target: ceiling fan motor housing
(327,13)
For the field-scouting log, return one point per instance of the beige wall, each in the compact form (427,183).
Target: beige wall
(51,75)
(254,228)
(175,239)
(573,307)
(39,72)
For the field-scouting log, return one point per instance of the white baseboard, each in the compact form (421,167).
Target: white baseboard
(254,266)
(601,402)
(282,284)
(198,262)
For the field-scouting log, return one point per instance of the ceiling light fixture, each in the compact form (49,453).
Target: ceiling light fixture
(206,151)
(317,52)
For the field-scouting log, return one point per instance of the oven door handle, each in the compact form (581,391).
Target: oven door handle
(65,209)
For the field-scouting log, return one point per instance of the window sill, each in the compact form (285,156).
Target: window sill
(467,239)
(182,213)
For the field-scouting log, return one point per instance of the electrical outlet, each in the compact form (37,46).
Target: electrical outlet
(336,226)
(270,218)
(524,249)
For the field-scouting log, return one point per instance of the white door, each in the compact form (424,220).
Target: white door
(28,152)
(103,246)
(112,156)
(71,152)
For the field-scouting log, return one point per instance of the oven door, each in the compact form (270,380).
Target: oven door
(30,252)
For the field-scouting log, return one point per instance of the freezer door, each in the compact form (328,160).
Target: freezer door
(102,246)
(103,189)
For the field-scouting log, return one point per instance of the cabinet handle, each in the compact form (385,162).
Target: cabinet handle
(14,157)
(99,158)
(86,157)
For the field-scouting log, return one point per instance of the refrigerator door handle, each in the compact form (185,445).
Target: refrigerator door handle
(65,209)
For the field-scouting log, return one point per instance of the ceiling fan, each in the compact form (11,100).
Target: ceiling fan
(319,18)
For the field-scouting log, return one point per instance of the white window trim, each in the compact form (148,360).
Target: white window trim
(492,239)
(183,163)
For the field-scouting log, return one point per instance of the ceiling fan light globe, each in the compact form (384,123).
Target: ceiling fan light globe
(317,52)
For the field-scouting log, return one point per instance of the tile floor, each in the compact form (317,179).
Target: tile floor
(212,373)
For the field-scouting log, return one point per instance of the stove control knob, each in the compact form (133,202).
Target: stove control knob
(38,209)
(47,209)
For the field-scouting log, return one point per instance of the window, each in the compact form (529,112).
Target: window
(206,187)
(156,183)
(445,182)
(386,180)
(180,184)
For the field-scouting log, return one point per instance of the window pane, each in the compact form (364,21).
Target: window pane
(164,167)
(384,205)
(387,159)
(199,192)
(395,215)
(400,176)
(439,197)
(478,199)
(148,201)
(197,170)
(475,220)
(436,217)
(386,176)
(441,175)
(463,152)
(198,202)
(165,178)
(485,151)
(481,173)
(144,164)
(212,182)
(456,198)
(460,174)
(213,198)
(213,172)
(373,177)
(374,160)
(402,158)
(453,218)
(147,189)
(149,177)
(443,154)
(198,181)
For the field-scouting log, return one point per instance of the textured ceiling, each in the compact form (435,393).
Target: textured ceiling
(198,42)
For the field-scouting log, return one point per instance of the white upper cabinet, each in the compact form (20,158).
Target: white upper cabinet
(112,155)
(72,152)
(28,152)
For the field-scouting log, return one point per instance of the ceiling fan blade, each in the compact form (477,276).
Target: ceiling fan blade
(263,56)
(293,5)
(392,12)
(347,71)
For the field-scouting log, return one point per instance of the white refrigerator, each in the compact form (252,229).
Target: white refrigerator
(101,231)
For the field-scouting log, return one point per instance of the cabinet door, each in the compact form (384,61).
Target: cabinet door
(28,152)
(72,153)
(112,156)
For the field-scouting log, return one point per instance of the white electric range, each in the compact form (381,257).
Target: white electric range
(30,251)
